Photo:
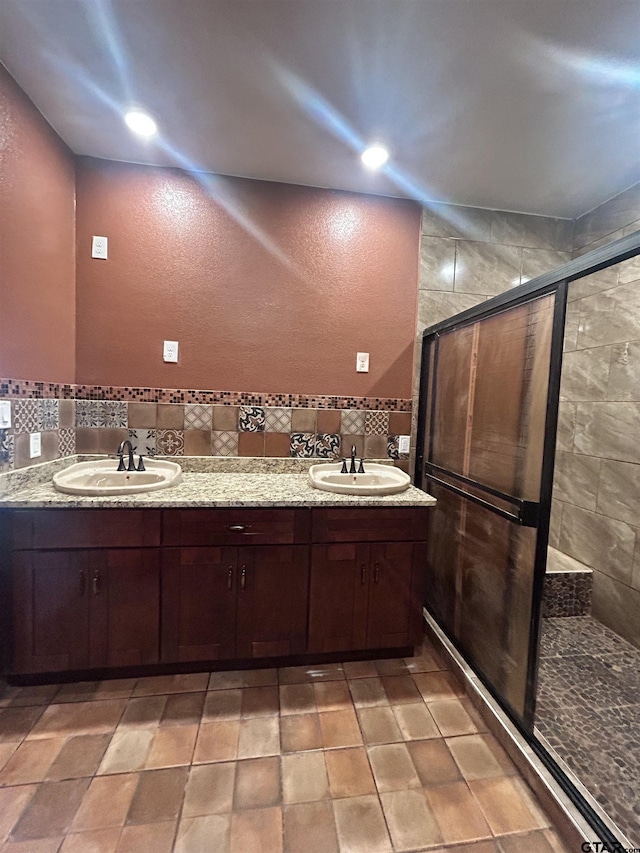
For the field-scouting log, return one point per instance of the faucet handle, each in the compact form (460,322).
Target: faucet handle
(140,464)
(361,466)
(121,464)
(343,470)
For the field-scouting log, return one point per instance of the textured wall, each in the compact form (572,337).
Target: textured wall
(267,287)
(37,243)
(596,513)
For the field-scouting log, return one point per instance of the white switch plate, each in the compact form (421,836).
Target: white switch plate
(99,247)
(170,351)
(35,447)
(404,443)
(362,362)
(5,414)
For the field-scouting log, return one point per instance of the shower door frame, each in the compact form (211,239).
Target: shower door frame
(538,516)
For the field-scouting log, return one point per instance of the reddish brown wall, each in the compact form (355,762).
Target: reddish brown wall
(267,287)
(37,244)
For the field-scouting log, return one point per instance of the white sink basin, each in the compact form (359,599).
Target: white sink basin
(377,479)
(102,478)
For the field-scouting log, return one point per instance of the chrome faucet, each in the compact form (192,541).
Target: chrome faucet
(131,464)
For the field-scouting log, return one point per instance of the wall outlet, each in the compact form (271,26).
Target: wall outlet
(170,351)
(99,247)
(35,445)
(5,414)
(362,362)
(404,443)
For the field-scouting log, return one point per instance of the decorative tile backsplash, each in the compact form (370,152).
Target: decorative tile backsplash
(218,424)
(26,416)
(251,419)
(197,416)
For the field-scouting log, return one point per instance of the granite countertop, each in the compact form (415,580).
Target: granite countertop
(278,486)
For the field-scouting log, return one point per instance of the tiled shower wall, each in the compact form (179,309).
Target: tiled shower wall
(311,427)
(596,511)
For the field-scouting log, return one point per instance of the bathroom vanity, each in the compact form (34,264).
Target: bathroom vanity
(221,570)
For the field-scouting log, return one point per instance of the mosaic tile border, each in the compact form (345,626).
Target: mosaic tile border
(30,389)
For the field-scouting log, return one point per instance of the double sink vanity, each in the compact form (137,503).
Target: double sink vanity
(210,564)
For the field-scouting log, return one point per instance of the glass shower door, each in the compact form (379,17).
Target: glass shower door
(485,407)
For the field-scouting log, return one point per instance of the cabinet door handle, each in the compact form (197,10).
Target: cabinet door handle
(96,582)
(82,582)
(363,573)
(243,577)
(376,573)
(238,528)
(230,579)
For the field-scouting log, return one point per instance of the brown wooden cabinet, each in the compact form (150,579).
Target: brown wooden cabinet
(230,603)
(81,609)
(95,589)
(366,593)
(224,602)
(50,611)
(198,603)
(273,584)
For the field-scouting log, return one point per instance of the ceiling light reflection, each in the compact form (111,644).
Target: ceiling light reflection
(447,270)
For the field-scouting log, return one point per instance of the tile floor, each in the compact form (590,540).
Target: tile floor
(588,709)
(356,757)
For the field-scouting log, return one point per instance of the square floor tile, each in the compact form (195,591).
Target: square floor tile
(209,789)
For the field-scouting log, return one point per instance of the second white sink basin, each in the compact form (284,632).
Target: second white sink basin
(377,479)
(102,478)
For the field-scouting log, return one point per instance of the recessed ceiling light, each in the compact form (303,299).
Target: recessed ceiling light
(141,123)
(375,156)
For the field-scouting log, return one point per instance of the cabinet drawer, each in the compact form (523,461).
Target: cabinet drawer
(390,524)
(85,528)
(205,527)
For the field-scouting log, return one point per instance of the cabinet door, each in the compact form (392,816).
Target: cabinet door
(124,607)
(198,604)
(51,611)
(338,597)
(272,600)
(393,602)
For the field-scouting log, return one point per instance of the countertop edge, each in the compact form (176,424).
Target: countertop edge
(216,490)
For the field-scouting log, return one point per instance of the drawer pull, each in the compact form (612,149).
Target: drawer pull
(376,574)
(243,577)
(239,528)
(363,573)
(96,582)
(230,579)
(82,582)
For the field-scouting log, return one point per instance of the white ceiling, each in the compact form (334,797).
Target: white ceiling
(525,105)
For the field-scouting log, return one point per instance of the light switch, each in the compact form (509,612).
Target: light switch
(170,351)
(404,443)
(362,362)
(5,414)
(35,448)
(99,247)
